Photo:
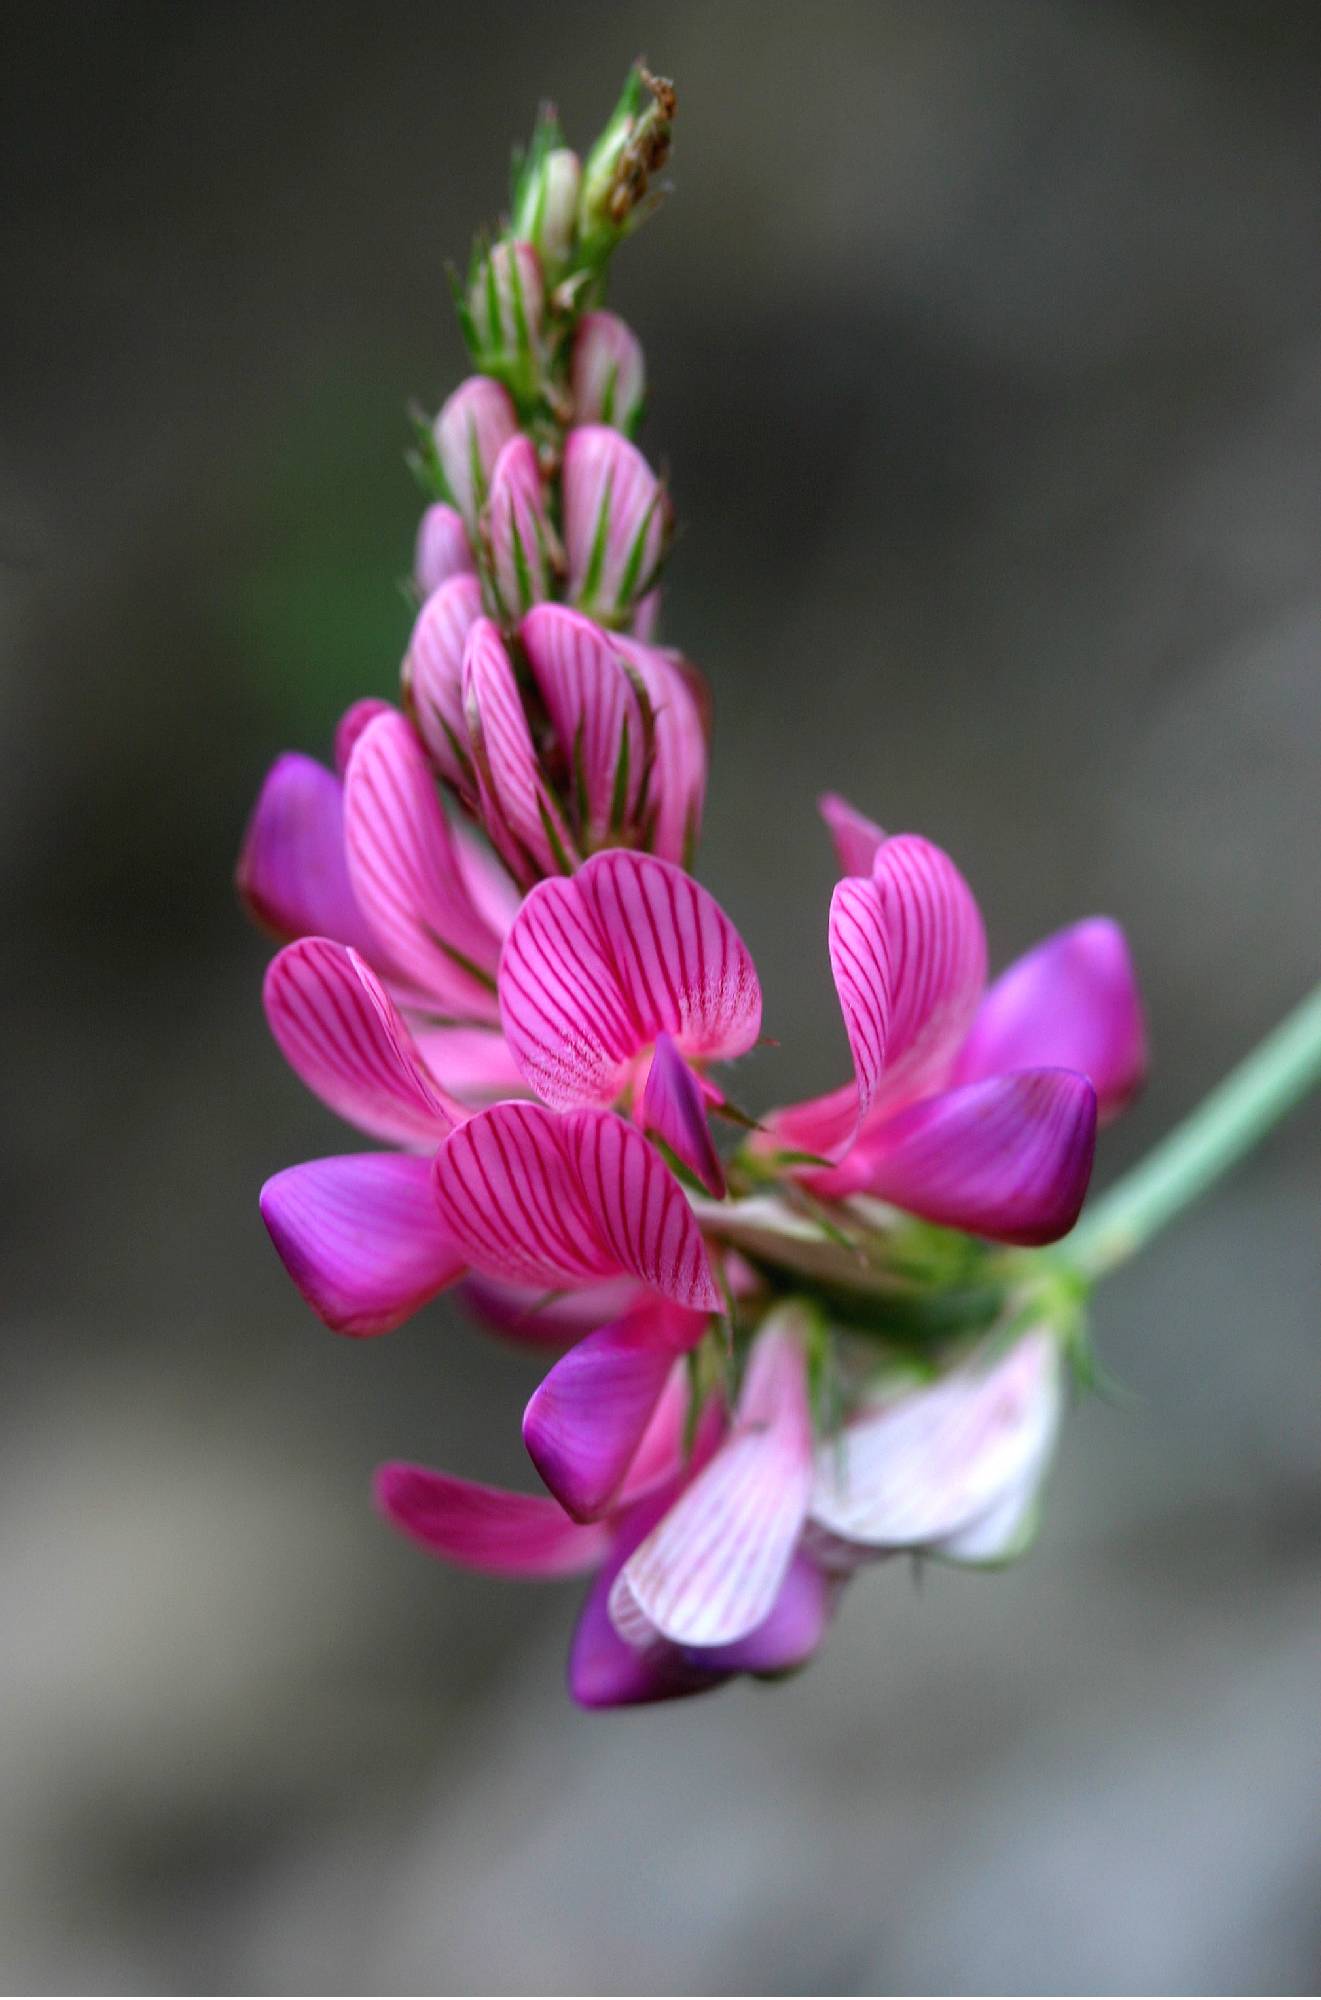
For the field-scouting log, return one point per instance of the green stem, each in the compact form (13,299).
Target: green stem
(1225,1126)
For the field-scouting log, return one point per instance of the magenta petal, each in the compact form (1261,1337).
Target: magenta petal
(932,1464)
(521,546)
(595,968)
(712,1569)
(676,787)
(486,1527)
(433,678)
(616,520)
(408,877)
(408,873)
(512,1198)
(788,1637)
(522,819)
(639,1209)
(856,837)
(525,1313)
(292,873)
(586,1421)
(1009,1158)
(475,1064)
(594,710)
(474,425)
(442,550)
(360,1237)
(674,1109)
(1073,1003)
(341,1033)
(351,725)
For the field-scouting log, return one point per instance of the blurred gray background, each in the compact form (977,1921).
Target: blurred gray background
(986,357)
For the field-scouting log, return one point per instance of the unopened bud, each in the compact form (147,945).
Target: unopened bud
(616,522)
(506,307)
(608,376)
(472,429)
(619,169)
(521,548)
(546,207)
(442,550)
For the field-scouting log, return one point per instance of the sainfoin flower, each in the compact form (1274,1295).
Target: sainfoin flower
(838,1339)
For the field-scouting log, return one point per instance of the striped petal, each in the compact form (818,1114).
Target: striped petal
(788,1637)
(856,837)
(596,967)
(408,877)
(595,713)
(443,549)
(292,875)
(522,819)
(640,1209)
(552,1201)
(917,946)
(710,1572)
(433,679)
(486,1527)
(676,784)
(585,1423)
(474,425)
(351,725)
(522,549)
(605,1671)
(1072,1003)
(341,1033)
(922,1467)
(607,374)
(674,1109)
(1009,1158)
(360,1237)
(616,521)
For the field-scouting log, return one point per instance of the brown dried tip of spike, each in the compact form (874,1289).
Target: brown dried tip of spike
(648,148)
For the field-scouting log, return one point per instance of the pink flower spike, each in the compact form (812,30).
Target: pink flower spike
(676,791)
(292,876)
(856,837)
(551,1201)
(585,1423)
(597,966)
(674,1109)
(360,1237)
(522,819)
(433,679)
(473,426)
(522,548)
(931,1464)
(443,549)
(595,713)
(1008,1158)
(1071,1002)
(485,1527)
(616,522)
(407,875)
(608,375)
(341,1033)
(710,1573)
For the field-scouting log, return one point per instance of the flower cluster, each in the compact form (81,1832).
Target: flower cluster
(833,1341)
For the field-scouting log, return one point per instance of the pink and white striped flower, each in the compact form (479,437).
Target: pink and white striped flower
(472,429)
(616,523)
(522,549)
(976,1113)
(608,373)
(701,1569)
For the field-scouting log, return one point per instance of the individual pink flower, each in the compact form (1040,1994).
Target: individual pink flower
(981,1120)
(608,374)
(616,522)
(473,426)
(442,550)
(701,1570)
(522,549)
(953,1468)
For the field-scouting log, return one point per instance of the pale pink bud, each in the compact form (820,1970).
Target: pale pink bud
(507,302)
(608,380)
(521,547)
(547,209)
(443,549)
(616,522)
(474,425)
